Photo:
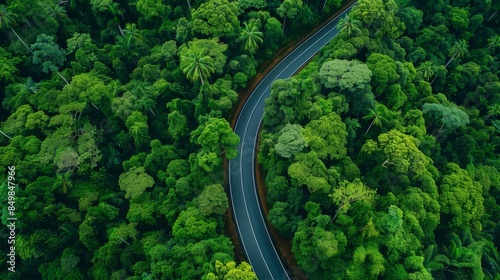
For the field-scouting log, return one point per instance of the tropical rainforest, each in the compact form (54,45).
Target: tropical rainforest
(381,157)
(115,115)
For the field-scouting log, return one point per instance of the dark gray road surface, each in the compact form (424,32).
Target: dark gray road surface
(253,233)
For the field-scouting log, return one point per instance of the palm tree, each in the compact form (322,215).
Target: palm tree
(426,69)
(494,42)
(349,25)
(376,117)
(459,49)
(493,110)
(197,65)
(145,103)
(115,11)
(131,32)
(63,182)
(252,37)
(7,20)
(58,12)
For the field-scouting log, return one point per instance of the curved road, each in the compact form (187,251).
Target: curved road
(252,230)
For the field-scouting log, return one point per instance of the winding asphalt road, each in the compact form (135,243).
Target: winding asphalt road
(252,229)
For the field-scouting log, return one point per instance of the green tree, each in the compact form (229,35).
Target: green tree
(345,75)
(231,271)
(213,200)
(217,18)
(450,117)
(192,226)
(458,50)
(8,69)
(399,151)
(196,65)
(289,9)
(151,8)
(216,135)
(461,198)
(327,136)
(426,69)
(134,182)
(349,25)
(47,53)
(8,20)
(252,37)
(494,42)
(291,141)
(375,116)
(379,16)
(348,193)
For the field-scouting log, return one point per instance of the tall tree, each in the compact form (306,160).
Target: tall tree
(376,117)
(252,37)
(458,50)
(426,69)
(8,20)
(196,66)
(348,193)
(493,110)
(494,42)
(47,53)
(350,25)
(289,9)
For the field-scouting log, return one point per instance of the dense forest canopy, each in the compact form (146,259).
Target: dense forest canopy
(115,117)
(381,157)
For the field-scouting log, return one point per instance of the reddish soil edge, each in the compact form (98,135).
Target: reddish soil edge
(283,245)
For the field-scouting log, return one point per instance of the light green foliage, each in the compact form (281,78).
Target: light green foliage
(327,136)
(291,141)
(252,37)
(367,262)
(231,271)
(207,55)
(349,25)
(272,33)
(345,75)
(134,182)
(425,208)
(348,193)
(47,53)
(216,18)
(399,152)
(379,15)
(88,88)
(213,200)
(309,170)
(461,198)
(191,225)
(196,65)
